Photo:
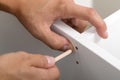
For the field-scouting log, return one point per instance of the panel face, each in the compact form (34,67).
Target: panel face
(112,43)
(96,61)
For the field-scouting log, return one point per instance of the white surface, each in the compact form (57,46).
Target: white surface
(99,59)
(88,3)
(112,44)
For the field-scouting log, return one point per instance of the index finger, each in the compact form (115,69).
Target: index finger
(89,14)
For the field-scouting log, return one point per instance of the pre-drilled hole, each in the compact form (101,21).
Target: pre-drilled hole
(77,62)
(76,48)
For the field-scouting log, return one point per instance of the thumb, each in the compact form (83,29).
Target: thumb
(41,61)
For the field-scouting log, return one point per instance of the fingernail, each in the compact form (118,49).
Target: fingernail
(51,61)
(66,47)
(105,34)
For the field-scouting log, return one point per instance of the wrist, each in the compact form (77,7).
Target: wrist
(10,6)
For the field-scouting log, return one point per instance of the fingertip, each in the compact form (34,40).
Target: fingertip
(67,46)
(57,42)
(104,29)
(50,60)
(105,35)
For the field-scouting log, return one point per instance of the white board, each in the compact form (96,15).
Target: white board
(98,59)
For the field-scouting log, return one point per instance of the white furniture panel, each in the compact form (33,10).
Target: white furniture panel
(88,3)
(98,59)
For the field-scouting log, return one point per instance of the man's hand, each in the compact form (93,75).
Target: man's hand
(24,66)
(38,15)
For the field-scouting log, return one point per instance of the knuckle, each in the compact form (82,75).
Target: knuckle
(61,5)
(91,12)
(57,44)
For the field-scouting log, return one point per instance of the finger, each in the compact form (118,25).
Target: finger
(77,24)
(41,61)
(88,14)
(56,41)
(80,25)
(50,38)
(92,16)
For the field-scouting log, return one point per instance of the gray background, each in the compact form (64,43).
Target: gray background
(106,7)
(14,37)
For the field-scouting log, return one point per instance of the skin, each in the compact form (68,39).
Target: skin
(26,66)
(37,16)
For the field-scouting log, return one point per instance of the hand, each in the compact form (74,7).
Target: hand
(24,66)
(38,15)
